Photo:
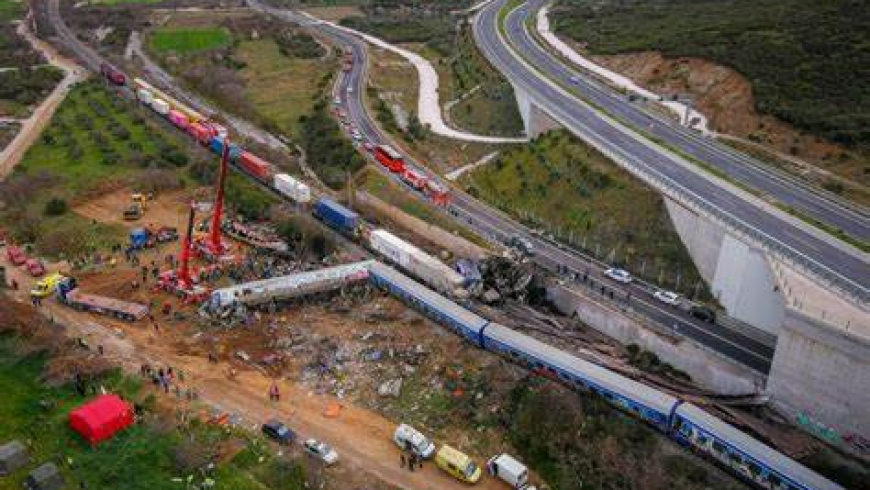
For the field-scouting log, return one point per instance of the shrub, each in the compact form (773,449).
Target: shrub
(55,207)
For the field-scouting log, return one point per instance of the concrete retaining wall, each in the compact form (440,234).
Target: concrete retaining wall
(821,376)
(705,367)
(702,238)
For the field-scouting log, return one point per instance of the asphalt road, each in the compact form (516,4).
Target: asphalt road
(495,225)
(549,255)
(786,189)
(822,255)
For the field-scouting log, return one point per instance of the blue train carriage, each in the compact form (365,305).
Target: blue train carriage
(745,455)
(430,303)
(638,399)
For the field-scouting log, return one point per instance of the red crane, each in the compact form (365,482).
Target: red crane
(215,245)
(184,281)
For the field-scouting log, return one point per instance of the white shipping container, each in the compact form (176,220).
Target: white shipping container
(417,262)
(292,188)
(392,247)
(144,96)
(160,106)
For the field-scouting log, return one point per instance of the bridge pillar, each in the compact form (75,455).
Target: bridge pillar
(535,121)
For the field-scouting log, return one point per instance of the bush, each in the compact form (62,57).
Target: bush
(55,207)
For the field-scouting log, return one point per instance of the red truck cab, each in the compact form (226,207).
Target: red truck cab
(16,255)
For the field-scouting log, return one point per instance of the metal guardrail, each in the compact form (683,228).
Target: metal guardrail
(743,231)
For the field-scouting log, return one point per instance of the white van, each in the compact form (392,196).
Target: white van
(410,439)
(507,468)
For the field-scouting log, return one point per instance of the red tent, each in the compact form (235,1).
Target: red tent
(101,418)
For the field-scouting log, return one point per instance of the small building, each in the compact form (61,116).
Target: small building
(101,418)
(46,477)
(13,455)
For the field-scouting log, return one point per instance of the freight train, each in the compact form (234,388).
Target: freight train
(682,421)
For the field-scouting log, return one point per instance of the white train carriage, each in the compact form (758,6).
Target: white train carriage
(647,403)
(432,304)
(415,261)
(290,286)
(745,455)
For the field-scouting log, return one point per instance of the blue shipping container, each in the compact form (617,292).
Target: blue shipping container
(217,145)
(336,216)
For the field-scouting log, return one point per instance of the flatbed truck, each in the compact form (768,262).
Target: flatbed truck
(69,294)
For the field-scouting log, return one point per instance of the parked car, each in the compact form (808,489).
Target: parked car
(336,100)
(457,464)
(618,275)
(412,440)
(321,451)
(16,255)
(34,267)
(667,297)
(357,135)
(703,313)
(574,79)
(276,430)
(369,147)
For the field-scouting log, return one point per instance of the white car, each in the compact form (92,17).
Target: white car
(410,439)
(618,275)
(336,100)
(667,297)
(574,79)
(321,451)
(350,89)
(357,135)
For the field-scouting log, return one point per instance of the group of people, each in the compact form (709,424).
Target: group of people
(167,379)
(411,461)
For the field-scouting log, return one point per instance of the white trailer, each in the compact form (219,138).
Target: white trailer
(415,261)
(145,96)
(292,188)
(291,286)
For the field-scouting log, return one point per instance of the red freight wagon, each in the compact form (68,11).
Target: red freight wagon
(179,119)
(113,74)
(390,158)
(416,179)
(201,132)
(101,418)
(258,167)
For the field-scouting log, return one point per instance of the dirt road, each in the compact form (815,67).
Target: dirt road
(361,437)
(33,126)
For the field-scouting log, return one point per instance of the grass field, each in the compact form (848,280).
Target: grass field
(280,88)
(95,142)
(147,456)
(559,184)
(186,41)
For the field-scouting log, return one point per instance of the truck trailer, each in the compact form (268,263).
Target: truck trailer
(69,294)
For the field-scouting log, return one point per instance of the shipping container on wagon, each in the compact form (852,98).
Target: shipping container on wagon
(178,118)
(256,166)
(217,146)
(415,261)
(192,115)
(336,216)
(201,132)
(292,188)
(160,106)
(145,96)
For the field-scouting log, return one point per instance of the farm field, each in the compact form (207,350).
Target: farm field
(187,41)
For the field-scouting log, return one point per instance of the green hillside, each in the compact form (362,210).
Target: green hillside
(808,61)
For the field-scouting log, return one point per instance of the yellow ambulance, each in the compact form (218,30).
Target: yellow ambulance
(458,464)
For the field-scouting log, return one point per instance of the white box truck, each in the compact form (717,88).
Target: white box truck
(508,469)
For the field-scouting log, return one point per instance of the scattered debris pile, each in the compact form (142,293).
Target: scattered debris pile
(503,278)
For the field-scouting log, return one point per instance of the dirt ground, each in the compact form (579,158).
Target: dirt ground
(168,209)
(361,436)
